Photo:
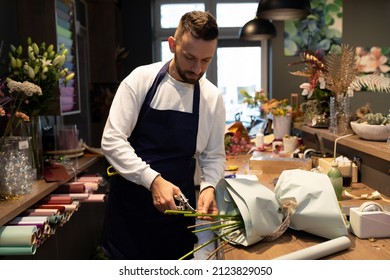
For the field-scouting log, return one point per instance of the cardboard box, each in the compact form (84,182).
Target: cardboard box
(326,164)
(269,164)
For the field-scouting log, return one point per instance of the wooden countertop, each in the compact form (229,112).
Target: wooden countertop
(292,240)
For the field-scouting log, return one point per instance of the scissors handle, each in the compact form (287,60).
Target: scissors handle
(111,171)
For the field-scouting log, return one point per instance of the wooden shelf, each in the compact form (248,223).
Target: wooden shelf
(378,149)
(10,209)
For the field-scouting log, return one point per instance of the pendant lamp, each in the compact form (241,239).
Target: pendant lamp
(257,29)
(283,9)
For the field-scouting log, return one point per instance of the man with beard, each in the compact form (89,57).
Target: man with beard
(163,118)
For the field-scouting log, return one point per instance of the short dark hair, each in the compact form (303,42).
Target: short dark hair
(201,25)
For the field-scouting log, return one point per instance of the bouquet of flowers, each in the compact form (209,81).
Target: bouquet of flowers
(237,140)
(261,101)
(41,66)
(249,212)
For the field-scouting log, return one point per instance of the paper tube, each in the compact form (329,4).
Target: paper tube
(38,211)
(91,186)
(29,220)
(94,179)
(17,235)
(67,207)
(320,250)
(58,200)
(23,250)
(72,195)
(95,198)
(74,187)
(60,208)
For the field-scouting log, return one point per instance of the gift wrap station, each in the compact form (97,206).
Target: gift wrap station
(290,208)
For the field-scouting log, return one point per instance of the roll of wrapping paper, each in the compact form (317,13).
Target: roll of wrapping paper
(52,217)
(320,250)
(77,196)
(67,207)
(57,200)
(95,198)
(91,186)
(94,179)
(40,222)
(17,235)
(21,250)
(19,220)
(60,208)
(74,187)
(37,211)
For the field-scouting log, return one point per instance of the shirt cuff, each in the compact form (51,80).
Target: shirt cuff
(148,176)
(204,185)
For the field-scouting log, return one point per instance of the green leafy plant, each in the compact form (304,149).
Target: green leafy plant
(269,106)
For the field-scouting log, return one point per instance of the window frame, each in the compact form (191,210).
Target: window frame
(228,37)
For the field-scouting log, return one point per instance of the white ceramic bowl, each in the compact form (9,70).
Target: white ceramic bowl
(371,132)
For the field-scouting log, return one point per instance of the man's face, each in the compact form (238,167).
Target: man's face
(191,57)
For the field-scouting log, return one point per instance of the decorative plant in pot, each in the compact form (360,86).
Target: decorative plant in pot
(371,126)
(279,110)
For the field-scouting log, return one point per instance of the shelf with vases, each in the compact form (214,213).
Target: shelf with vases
(375,148)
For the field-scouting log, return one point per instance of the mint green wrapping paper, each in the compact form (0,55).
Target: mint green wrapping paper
(23,250)
(255,203)
(318,211)
(17,235)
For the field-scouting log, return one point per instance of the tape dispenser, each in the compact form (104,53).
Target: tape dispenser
(370,220)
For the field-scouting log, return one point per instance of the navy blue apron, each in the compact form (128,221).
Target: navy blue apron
(165,139)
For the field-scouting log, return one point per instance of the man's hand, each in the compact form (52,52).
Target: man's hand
(163,192)
(206,202)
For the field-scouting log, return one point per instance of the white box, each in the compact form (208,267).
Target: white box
(326,164)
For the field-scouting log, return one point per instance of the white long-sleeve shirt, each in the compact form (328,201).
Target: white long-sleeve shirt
(171,95)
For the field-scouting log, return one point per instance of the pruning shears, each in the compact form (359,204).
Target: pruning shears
(183,203)
(111,171)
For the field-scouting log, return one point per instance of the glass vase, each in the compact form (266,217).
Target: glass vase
(16,175)
(340,115)
(281,126)
(35,133)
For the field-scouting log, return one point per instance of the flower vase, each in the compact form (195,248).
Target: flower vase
(339,120)
(16,175)
(35,133)
(281,126)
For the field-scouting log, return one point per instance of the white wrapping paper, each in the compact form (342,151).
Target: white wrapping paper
(318,251)
(318,211)
(256,204)
(309,197)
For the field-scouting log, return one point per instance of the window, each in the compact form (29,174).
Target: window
(236,65)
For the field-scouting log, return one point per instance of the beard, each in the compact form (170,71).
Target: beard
(187,76)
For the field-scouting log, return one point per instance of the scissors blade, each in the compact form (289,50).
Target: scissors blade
(184,202)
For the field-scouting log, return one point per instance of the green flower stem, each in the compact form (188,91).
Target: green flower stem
(196,214)
(207,243)
(239,223)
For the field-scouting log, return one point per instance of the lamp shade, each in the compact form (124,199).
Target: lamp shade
(283,9)
(257,29)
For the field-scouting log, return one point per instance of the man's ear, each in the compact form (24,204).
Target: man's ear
(172,44)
